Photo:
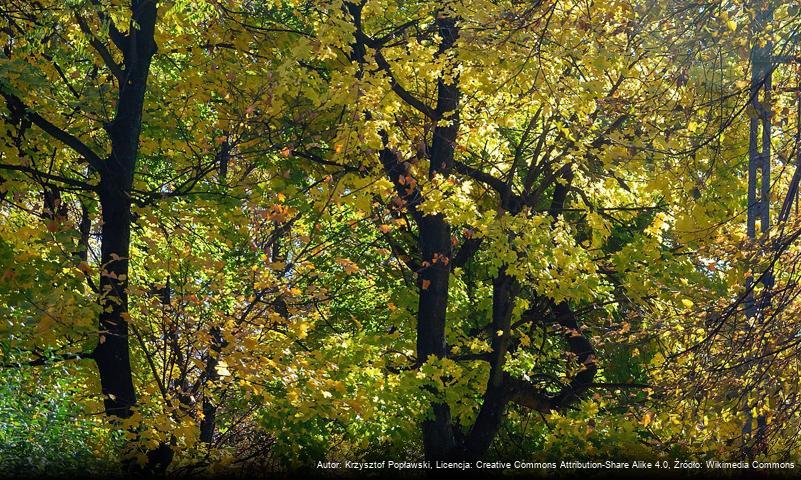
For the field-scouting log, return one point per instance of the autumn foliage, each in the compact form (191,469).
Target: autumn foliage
(250,236)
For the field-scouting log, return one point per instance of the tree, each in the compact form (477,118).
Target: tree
(115,170)
(534,196)
(303,231)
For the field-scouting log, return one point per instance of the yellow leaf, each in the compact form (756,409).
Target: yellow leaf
(222,369)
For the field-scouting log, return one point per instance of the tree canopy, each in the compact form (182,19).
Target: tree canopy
(253,236)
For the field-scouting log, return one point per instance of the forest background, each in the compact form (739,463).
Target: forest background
(249,236)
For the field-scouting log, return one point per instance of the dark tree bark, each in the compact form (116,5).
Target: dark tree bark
(85,230)
(208,424)
(435,250)
(116,180)
(504,291)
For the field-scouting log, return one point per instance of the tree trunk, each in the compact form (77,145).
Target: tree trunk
(435,249)
(116,180)
(112,352)
(435,240)
(207,425)
(504,291)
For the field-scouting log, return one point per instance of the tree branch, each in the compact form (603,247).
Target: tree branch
(42,360)
(401,92)
(56,178)
(466,251)
(15,104)
(101,49)
(491,181)
(364,40)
